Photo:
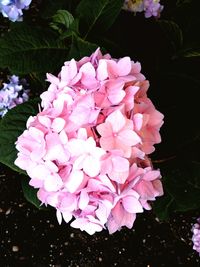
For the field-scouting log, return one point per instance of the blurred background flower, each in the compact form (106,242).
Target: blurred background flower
(12,94)
(12,9)
(196,236)
(150,7)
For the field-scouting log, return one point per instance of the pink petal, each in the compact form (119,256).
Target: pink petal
(122,217)
(102,213)
(117,120)
(129,219)
(158,188)
(52,183)
(120,170)
(112,68)
(39,171)
(68,203)
(36,133)
(129,138)
(88,69)
(58,125)
(136,67)
(21,161)
(151,175)
(44,121)
(52,79)
(107,143)
(146,190)
(132,205)
(80,115)
(92,228)
(78,162)
(106,182)
(138,121)
(91,166)
(55,150)
(67,216)
(82,134)
(69,71)
(85,225)
(63,137)
(52,167)
(118,214)
(36,183)
(116,97)
(102,73)
(76,147)
(124,66)
(115,91)
(83,200)
(52,199)
(104,129)
(112,225)
(38,153)
(59,216)
(74,181)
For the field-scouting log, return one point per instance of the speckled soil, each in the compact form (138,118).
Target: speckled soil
(33,238)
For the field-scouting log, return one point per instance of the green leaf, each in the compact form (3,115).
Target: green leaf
(182,2)
(24,50)
(184,186)
(163,206)
(81,48)
(182,189)
(72,30)
(30,193)
(61,20)
(173,33)
(37,80)
(50,7)
(191,53)
(98,15)
(11,126)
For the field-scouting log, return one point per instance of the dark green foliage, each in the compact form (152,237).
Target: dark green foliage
(98,15)
(26,49)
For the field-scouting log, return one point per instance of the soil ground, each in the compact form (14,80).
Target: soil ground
(32,237)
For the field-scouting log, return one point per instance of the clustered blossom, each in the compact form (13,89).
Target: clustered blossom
(13,94)
(86,150)
(150,7)
(196,236)
(12,9)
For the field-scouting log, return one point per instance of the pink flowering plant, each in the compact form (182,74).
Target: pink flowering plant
(87,150)
(85,147)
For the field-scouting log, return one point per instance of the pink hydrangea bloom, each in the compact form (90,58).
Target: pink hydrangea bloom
(85,151)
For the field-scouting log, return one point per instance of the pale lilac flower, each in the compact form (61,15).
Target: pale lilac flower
(196,236)
(152,8)
(12,9)
(12,94)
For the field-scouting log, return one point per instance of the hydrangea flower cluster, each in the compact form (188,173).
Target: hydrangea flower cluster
(196,236)
(12,94)
(86,150)
(12,9)
(150,7)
